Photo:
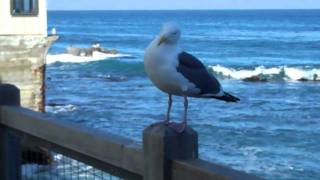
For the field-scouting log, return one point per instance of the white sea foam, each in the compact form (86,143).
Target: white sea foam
(30,171)
(296,73)
(97,56)
(61,108)
(287,73)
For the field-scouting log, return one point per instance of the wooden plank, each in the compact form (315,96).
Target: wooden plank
(10,155)
(202,170)
(161,144)
(96,163)
(108,148)
(10,149)
(9,95)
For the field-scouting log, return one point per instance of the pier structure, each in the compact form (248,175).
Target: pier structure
(163,154)
(24,44)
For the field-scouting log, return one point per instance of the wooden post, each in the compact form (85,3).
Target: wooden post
(10,149)
(9,95)
(162,144)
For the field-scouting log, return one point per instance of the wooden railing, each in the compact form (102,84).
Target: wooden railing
(164,154)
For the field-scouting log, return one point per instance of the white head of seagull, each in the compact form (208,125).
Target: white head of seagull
(170,34)
(179,73)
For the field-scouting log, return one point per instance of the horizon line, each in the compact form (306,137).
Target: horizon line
(239,9)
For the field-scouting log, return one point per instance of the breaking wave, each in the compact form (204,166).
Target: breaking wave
(58,108)
(132,68)
(97,56)
(265,74)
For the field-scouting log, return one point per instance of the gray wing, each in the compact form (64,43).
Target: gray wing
(192,69)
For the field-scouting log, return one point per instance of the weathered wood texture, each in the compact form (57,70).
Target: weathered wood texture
(165,154)
(161,145)
(197,169)
(106,148)
(9,95)
(112,149)
(10,155)
(81,157)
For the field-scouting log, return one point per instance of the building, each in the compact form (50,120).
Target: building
(23,47)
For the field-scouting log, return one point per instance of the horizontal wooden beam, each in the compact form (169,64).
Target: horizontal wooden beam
(96,163)
(115,150)
(202,170)
(107,148)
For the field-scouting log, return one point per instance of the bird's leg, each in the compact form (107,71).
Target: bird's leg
(185,111)
(169,109)
(167,120)
(180,127)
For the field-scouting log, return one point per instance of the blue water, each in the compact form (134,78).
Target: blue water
(273,132)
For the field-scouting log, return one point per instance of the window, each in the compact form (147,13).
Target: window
(24,7)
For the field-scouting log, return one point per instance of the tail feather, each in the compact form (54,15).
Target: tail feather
(227,97)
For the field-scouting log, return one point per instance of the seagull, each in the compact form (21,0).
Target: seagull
(53,31)
(179,73)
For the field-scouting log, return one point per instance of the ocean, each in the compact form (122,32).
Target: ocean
(273,132)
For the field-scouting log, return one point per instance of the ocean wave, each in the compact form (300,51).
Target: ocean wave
(261,73)
(58,108)
(97,56)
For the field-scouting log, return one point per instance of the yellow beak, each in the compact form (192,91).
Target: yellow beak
(162,40)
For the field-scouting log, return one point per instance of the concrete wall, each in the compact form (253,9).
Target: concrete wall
(22,63)
(25,25)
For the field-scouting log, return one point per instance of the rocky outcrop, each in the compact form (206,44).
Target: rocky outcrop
(89,51)
(255,79)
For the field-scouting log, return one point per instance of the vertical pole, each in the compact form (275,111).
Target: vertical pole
(162,144)
(10,149)
(9,95)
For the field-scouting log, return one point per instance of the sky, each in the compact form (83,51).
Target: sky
(180,4)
